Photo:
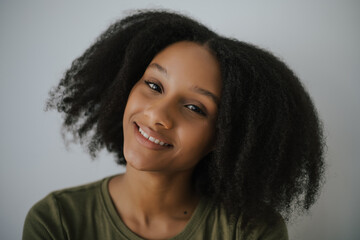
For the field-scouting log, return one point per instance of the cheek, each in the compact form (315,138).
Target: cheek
(198,138)
(133,105)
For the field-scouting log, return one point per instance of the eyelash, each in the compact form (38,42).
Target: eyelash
(153,86)
(191,107)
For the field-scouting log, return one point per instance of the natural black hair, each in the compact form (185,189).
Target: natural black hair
(269,143)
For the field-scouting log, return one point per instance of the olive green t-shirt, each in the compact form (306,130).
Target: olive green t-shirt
(87,212)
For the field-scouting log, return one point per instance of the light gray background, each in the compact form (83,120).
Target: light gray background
(39,39)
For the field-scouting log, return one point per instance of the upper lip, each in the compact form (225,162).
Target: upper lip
(153,134)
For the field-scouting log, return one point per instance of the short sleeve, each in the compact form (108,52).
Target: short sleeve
(43,221)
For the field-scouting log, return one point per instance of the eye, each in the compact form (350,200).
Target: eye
(154,86)
(196,109)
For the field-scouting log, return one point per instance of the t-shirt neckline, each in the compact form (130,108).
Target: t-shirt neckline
(199,215)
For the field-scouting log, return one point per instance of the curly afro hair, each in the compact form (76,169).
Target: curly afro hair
(269,146)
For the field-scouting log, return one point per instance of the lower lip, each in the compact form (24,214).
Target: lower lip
(147,143)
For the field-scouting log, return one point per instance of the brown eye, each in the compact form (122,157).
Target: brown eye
(154,86)
(196,109)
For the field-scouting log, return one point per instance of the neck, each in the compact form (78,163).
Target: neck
(152,194)
(157,192)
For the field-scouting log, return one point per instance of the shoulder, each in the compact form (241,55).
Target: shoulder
(219,225)
(76,195)
(46,218)
(268,226)
(71,198)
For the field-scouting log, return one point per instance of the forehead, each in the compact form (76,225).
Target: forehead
(191,64)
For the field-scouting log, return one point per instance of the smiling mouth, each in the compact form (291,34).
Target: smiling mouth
(153,140)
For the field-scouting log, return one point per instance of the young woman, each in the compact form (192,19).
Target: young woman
(219,138)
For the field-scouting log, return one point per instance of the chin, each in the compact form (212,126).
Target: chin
(141,163)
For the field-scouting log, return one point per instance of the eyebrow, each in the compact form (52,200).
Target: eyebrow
(159,68)
(194,88)
(206,93)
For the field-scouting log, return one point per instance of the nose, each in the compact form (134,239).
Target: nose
(159,114)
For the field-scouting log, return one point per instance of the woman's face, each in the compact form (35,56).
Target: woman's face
(169,119)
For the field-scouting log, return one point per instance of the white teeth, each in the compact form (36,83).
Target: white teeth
(152,139)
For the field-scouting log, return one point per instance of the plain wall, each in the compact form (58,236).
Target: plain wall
(39,39)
